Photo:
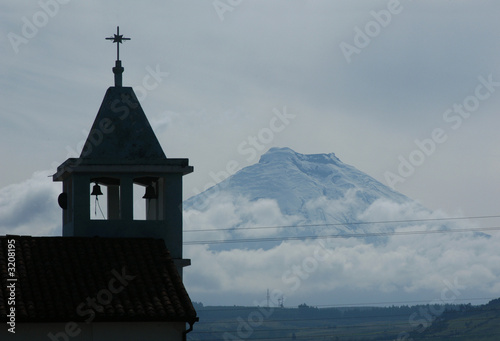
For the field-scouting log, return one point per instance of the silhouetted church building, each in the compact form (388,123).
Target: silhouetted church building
(112,275)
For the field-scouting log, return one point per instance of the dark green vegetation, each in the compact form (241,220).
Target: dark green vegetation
(472,323)
(421,322)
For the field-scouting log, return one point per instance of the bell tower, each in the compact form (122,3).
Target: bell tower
(122,154)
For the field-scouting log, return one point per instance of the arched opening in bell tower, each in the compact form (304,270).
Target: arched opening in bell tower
(148,198)
(105,198)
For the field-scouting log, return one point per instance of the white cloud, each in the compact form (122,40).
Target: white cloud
(403,267)
(30,207)
(224,211)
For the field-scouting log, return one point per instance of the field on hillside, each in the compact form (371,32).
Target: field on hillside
(310,323)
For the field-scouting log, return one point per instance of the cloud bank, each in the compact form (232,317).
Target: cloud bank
(400,268)
(397,267)
(30,207)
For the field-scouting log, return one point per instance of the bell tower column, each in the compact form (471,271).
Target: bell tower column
(127,198)
(172,206)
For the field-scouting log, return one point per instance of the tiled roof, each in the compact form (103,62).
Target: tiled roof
(73,278)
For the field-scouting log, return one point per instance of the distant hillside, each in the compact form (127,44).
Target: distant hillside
(472,323)
(311,323)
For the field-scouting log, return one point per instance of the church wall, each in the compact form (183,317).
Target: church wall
(104,331)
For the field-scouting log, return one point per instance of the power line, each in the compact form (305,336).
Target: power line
(346,235)
(345,223)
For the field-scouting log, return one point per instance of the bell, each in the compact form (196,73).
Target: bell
(150,192)
(96,190)
(62,199)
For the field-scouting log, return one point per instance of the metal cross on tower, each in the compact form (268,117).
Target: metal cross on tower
(118,69)
(118,39)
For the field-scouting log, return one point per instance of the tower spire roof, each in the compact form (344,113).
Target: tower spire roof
(121,131)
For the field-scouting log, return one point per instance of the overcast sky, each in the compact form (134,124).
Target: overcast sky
(406,91)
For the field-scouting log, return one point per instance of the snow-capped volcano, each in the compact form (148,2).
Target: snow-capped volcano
(290,189)
(312,227)
(294,179)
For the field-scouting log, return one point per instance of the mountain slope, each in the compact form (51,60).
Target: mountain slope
(471,323)
(289,188)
